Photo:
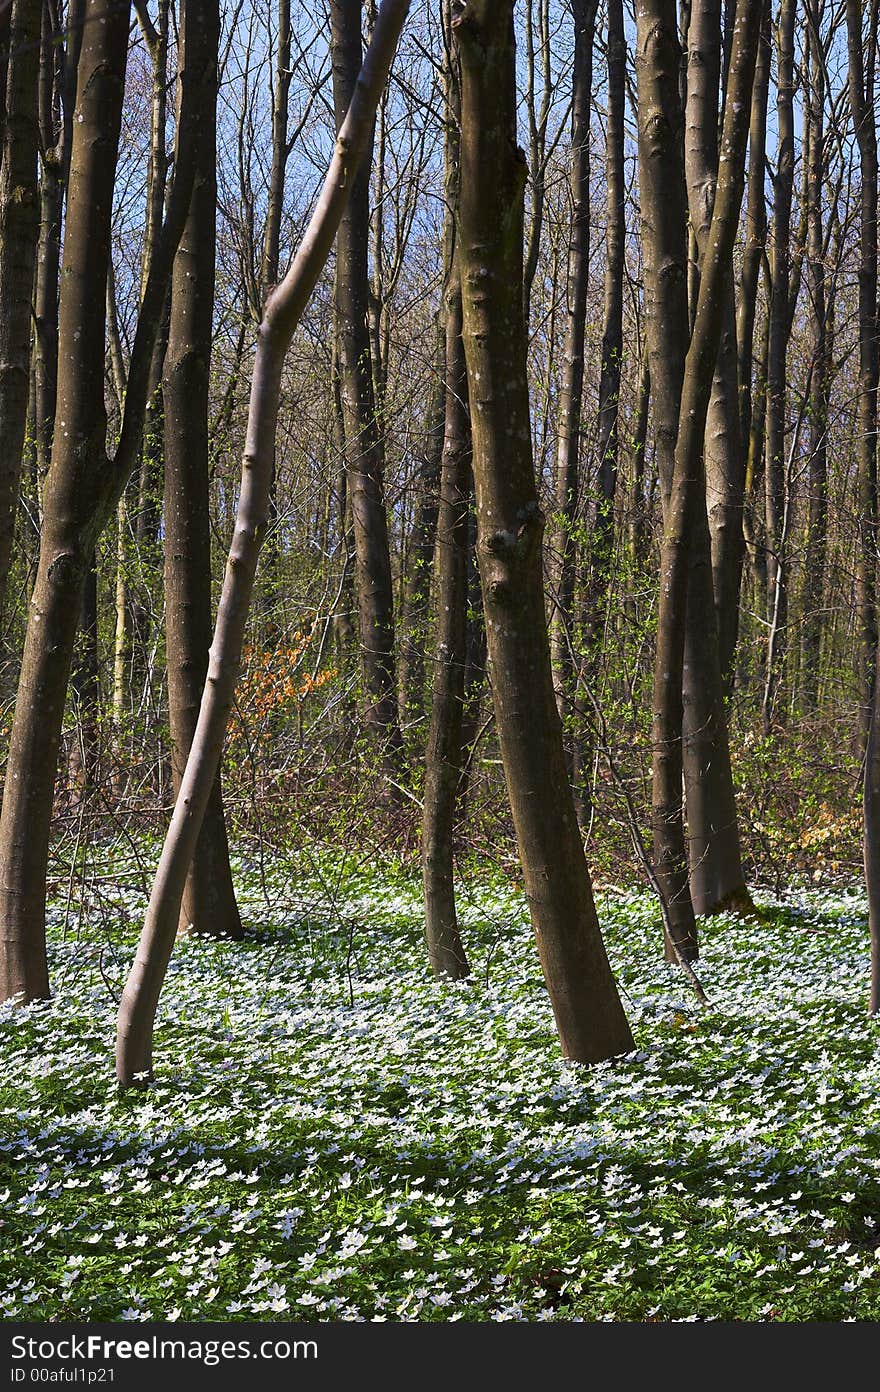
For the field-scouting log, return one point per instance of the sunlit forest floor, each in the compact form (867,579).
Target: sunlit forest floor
(333,1135)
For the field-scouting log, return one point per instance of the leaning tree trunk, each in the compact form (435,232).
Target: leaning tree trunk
(209,898)
(363,443)
(19,224)
(83,485)
(137,1011)
(588,1012)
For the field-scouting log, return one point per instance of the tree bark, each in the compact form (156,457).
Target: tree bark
(589,1016)
(715,562)
(612,329)
(571,389)
(817,422)
(777,366)
(52,160)
(363,443)
(137,1011)
(443,764)
(861,97)
(685,511)
(420,551)
(664,243)
(209,898)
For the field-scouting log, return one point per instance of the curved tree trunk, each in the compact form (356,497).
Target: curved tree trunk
(589,1016)
(137,1011)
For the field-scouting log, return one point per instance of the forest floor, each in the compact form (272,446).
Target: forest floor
(334,1135)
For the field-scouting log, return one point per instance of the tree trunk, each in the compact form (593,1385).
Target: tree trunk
(209,898)
(612,329)
(84,760)
(270,586)
(373,582)
(52,160)
(19,225)
(685,513)
(572,386)
(589,1016)
(715,564)
(420,551)
(861,97)
(137,1011)
(443,765)
(777,366)
(664,243)
(817,422)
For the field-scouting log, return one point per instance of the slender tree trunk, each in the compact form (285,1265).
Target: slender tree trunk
(137,1011)
(19,225)
(571,390)
(270,586)
(363,443)
(755,231)
(443,765)
(52,160)
(420,551)
(639,522)
(817,431)
(475,659)
(589,1016)
(612,329)
(84,760)
(724,464)
(777,367)
(209,898)
(861,96)
(446,950)
(871,814)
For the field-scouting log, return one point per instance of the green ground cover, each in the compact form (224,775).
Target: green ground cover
(333,1135)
